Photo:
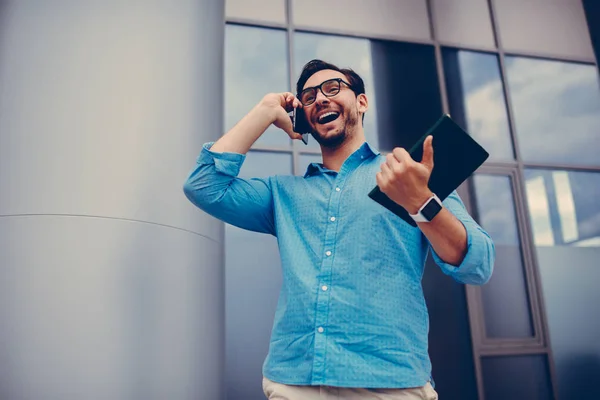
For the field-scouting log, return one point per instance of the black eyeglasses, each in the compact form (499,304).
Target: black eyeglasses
(329,88)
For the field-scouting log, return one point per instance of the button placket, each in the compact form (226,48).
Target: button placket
(323,295)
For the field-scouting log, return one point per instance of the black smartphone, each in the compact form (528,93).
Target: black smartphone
(300,123)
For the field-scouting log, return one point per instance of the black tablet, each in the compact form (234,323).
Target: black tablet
(456,155)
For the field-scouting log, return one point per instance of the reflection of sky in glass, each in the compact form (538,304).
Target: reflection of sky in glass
(495,207)
(557,110)
(344,52)
(255,64)
(505,301)
(563,207)
(484,103)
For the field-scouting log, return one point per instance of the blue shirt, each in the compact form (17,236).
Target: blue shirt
(351,311)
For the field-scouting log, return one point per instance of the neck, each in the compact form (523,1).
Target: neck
(333,158)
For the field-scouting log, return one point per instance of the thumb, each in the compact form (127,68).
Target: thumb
(428,153)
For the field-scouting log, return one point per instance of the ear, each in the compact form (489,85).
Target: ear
(362,102)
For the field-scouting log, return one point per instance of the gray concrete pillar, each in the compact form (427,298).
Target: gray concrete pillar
(111,282)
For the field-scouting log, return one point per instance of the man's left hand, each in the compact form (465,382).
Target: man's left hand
(404,180)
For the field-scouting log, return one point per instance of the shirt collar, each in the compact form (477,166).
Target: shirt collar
(364,152)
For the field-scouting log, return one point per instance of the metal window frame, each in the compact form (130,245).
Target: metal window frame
(482,346)
(481,342)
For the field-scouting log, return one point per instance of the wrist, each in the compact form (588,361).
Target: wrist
(267,111)
(419,201)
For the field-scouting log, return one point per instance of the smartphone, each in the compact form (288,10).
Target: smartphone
(300,123)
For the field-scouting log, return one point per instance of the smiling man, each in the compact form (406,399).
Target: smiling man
(351,321)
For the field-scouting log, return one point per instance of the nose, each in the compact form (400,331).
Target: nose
(321,98)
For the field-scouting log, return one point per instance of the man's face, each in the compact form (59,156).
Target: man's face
(335,118)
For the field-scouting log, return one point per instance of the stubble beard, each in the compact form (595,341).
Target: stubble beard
(335,141)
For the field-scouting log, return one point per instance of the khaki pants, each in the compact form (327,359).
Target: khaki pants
(278,391)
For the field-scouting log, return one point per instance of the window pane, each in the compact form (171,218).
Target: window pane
(505,300)
(556,109)
(565,217)
(477,102)
(255,64)
(517,377)
(564,207)
(252,282)
(400,79)
(464,22)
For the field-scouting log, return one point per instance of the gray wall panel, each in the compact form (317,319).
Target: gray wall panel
(465,22)
(94,308)
(403,19)
(259,10)
(550,27)
(104,106)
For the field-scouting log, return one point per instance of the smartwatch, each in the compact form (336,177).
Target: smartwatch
(429,210)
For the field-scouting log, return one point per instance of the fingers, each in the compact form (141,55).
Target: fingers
(291,101)
(401,155)
(289,129)
(386,171)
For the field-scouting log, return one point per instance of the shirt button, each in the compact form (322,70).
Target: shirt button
(324,287)
(337,189)
(320,329)
(327,253)
(332,219)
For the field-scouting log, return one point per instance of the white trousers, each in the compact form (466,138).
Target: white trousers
(278,391)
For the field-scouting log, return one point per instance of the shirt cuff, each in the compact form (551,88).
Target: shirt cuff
(226,163)
(475,267)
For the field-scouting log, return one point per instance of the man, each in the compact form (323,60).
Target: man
(351,322)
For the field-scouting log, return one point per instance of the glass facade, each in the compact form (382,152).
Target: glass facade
(505,298)
(536,114)
(255,59)
(556,109)
(565,217)
(477,100)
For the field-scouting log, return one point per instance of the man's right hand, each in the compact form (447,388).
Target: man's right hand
(273,109)
(279,105)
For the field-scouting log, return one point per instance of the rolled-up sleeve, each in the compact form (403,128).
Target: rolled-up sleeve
(213,186)
(478,263)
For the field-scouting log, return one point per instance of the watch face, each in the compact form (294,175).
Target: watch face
(431,209)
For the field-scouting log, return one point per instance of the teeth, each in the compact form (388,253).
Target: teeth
(326,115)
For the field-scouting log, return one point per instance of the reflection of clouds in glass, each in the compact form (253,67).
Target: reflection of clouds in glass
(344,52)
(539,212)
(484,103)
(495,206)
(593,242)
(566,206)
(571,197)
(557,110)
(255,64)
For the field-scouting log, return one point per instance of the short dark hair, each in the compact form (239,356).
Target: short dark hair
(314,66)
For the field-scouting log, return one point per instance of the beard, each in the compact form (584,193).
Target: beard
(334,141)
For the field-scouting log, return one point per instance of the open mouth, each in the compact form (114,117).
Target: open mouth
(328,117)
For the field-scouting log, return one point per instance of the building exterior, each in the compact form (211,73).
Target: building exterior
(113,286)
